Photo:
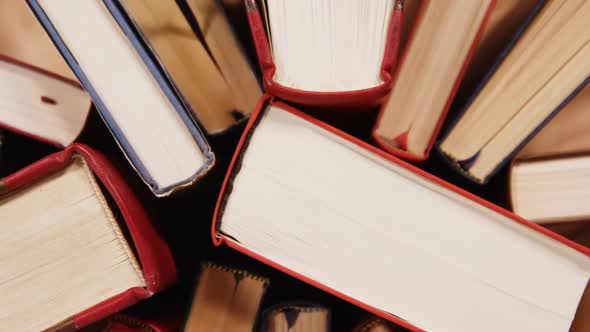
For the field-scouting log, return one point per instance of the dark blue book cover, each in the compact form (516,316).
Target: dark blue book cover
(463,165)
(159,74)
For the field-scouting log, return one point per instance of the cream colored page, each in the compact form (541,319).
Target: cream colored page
(329,45)
(552,190)
(385,237)
(133,98)
(60,252)
(539,107)
(429,70)
(22,107)
(554,37)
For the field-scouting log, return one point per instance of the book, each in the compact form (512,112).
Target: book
(23,38)
(129,323)
(374,325)
(132,92)
(475,32)
(297,317)
(548,190)
(225,299)
(548,65)
(213,74)
(72,217)
(323,54)
(371,229)
(40,104)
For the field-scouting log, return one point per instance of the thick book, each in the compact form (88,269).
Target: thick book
(547,66)
(130,323)
(323,54)
(551,189)
(212,73)
(71,217)
(40,104)
(133,93)
(450,42)
(296,317)
(548,178)
(354,221)
(225,299)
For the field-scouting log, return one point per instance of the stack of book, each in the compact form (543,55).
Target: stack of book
(352,173)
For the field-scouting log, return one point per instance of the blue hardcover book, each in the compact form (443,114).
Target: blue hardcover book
(133,93)
(542,70)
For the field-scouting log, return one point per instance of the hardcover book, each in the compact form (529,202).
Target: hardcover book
(132,92)
(71,216)
(297,318)
(548,65)
(450,41)
(40,104)
(551,189)
(225,299)
(317,53)
(548,178)
(129,323)
(452,258)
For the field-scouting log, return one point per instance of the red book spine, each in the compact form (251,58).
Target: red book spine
(457,83)
(220,239)
(153,253)
(346,99)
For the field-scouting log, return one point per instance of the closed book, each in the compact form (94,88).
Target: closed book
(547,179)
(133,93)
(323,54)
(131,323)
(297,317)
(449,46)
(339,214)
(42,105)
(78,245)
(225,299)
(552,189)
(546,67)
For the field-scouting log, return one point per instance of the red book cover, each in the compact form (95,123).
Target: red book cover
(356,98)
(401,141)
(152,252)
(61,104)
(221,239)
(129,323)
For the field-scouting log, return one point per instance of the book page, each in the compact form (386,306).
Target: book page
(60,229)
(355,222)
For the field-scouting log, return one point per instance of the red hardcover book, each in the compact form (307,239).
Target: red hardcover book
(343,216)
(129,323)
(278,77)
(433,71)
(100,240)
(40,104)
